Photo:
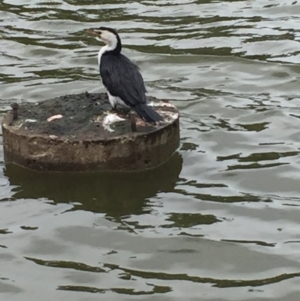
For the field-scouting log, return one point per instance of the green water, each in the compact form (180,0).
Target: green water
(221,220)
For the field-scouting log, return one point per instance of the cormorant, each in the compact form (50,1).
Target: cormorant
(121,77)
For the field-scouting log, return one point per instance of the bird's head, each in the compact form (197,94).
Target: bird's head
(108,35)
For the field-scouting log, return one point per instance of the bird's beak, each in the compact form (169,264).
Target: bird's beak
(92,31)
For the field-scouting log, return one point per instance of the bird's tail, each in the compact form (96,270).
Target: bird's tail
(147,113)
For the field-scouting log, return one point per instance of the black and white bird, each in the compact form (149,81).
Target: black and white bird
(121,77)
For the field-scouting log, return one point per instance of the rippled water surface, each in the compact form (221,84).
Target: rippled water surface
(219,221)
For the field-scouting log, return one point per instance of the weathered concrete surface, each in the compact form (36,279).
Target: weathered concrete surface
(82,139)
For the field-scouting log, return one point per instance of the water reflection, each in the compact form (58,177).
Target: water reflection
(115,194)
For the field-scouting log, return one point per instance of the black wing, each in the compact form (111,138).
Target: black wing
(122,78)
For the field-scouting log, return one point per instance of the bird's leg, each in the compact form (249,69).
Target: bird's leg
(113,103)
(114,109)
(116,105)
(123,110)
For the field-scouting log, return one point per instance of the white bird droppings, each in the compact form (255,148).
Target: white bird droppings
(110,119)
(54,117)
(30,120)
(160,104)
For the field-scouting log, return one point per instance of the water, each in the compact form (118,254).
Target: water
(221,220)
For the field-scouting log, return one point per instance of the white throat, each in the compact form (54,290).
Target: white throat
(102,51)
(112,45)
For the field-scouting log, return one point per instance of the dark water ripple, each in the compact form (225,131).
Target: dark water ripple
(219,221)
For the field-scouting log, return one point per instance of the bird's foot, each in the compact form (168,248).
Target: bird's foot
(113,110)
(120,110)
(124,111)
